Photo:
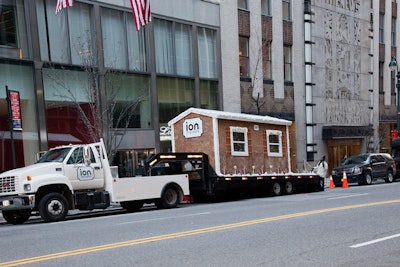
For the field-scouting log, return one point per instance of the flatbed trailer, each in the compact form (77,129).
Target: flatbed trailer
(205,183)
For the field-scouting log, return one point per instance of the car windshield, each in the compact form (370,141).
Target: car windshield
(355,160)
(55,155)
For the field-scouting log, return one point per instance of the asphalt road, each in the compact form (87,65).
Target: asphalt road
(357,226)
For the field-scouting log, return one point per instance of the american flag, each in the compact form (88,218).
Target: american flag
(141,12)
(63,4)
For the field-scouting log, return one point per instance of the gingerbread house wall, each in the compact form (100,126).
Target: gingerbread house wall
(257,145)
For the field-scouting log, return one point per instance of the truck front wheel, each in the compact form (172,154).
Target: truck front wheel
(169,198)
(16,216)
(53,207)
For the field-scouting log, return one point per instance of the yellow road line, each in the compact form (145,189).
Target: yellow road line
(185,233)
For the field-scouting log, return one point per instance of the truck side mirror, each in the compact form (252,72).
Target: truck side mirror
(86,155)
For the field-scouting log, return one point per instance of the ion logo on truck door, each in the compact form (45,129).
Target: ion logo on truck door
(85,173)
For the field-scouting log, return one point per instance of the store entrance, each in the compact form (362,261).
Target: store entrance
(338,149)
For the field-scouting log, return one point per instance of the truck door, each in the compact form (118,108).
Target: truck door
(81,176)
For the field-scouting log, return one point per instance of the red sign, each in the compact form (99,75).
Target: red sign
(15,110)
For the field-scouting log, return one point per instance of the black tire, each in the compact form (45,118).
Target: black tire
(389,177)
(53,207)
(170,198)
(132,206)
(276,189)
(368,178)
(289,188)
(16,216)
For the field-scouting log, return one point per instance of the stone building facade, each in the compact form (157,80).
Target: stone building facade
(324,65)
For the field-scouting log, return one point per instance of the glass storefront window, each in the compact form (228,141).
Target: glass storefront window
(209,96)
(174,96)
(69,105)
(129,100)
(18,78)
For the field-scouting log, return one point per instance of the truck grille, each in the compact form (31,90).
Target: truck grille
(7,184)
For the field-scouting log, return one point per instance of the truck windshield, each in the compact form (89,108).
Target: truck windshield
(55,155)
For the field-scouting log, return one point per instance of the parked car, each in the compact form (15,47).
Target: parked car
(365,168)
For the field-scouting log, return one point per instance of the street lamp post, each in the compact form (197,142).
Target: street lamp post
(393,66)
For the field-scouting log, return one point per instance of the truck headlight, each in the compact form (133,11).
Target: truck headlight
(6,203)
(27,187)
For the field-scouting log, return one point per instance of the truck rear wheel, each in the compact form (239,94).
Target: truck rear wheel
(169,198)
(16,216)
(53,207)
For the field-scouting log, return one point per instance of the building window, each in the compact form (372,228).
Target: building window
(128,100)
(183,49)
(173,47)
(267,60)
(8,25)
(266,7)
(175,95)
(242,4)
(114,39)
(239,145)
(207,52)
(209,97)
(244,56)
(287,60)
(381,68)
(381,28)
(394,29)
(286,10)
(274,143)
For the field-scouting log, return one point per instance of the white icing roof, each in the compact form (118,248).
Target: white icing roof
(230,116)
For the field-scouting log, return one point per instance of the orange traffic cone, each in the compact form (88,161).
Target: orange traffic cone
(344,181)
(331,183)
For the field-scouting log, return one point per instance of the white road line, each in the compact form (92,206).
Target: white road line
(166,218)
(355,195)
(375,241)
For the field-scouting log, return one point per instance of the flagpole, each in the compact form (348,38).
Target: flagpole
(11,128)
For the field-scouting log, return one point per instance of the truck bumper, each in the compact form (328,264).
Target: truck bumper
(17,202)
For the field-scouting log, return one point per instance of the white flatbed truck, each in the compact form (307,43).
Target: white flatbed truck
(80,177)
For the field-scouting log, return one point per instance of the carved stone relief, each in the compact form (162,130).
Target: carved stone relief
(343,102)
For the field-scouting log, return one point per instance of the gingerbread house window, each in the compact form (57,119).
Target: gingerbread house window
(239,141)
(274,143)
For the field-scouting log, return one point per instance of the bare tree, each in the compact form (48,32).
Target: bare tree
(255,88)
(107,118)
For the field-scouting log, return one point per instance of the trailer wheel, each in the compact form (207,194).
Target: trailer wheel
(169,198)
(53,207)
(132,206)
(276,189)
(16,216)
(289,188)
